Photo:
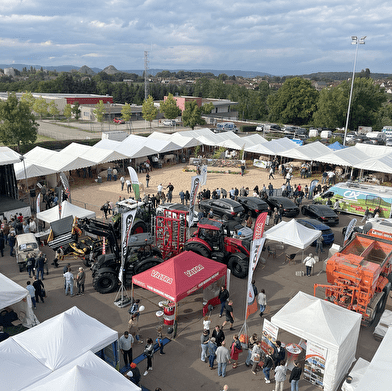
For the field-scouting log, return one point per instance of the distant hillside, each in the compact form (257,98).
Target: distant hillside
(342,75)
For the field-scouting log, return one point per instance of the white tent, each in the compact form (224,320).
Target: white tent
(293,234)
(307,151)
(8,156)
(17,297)
(378,375)
(61,339)
(87,372)
(49,215)
(32,170)
(328,325)
(67,209)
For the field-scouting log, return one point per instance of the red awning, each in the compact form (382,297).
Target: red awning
(180,276)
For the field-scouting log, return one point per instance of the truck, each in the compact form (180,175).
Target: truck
(359,276)
(364,129)
(354,198)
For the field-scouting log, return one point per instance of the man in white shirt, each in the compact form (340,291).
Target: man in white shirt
(160,188)
(125,344)
(129,185)
(309,261)
(69,280)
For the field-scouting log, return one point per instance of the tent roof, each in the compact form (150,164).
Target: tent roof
(379,164)
(10,292)
(161,146)
(273,147)
(49,215)
(325,321)
(87,372)
(180,276)
(293,234)
(32,170)
(39,155)
(68,209)
(336,146)
(60,339)
(307,151)
(8,156)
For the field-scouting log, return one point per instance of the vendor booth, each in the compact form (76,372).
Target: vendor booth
(181,276)
(16,299)
(67,209)
(331,334)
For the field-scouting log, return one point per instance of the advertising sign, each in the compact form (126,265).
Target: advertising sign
(314,369)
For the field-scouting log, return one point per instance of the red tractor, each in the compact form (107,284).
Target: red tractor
(214,240)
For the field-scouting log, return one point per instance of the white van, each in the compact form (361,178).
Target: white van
(313,133)
(380,137)
(326,134)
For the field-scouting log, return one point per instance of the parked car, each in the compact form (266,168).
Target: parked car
(224,208)
(255,205)
(25,244)
(168,122)
(259,128)
(388,142)
(322,213)
(328,235)
(117,120)
(289,208)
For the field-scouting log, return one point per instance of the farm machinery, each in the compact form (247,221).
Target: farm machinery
(359,276)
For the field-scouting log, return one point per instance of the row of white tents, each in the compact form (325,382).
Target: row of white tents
(40,161)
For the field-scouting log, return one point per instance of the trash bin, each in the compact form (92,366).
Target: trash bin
(99,179)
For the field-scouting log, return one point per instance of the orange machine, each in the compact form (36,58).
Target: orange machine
(360,276)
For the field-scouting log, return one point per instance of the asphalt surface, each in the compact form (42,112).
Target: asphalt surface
(181,367)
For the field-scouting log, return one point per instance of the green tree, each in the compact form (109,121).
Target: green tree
(99,112)
(40,106)
(191,116)
(28,98)
(207,108)
(169,107)
(53,110)
(68,111)
(149,111)
(294,103)
(366,103)
(126,113)
(17,123)
(76,110)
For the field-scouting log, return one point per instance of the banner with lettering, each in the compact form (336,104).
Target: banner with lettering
(314,368)
(135,182)
(127,220)
(195,186)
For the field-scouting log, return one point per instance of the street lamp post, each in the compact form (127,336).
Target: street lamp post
(355,41)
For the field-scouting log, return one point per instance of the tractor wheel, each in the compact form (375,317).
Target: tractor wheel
(198,249)
(239,265)
(21,267)
(105,282)
(148,263)
(139,227)
(86,261)
(303,211)
(383,302)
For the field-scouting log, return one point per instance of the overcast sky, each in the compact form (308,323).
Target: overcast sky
(279,37)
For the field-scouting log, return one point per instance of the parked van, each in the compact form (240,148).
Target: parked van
(387,130)
(226,127)
(313,133)
(354,198)
(326,134)
(377,137)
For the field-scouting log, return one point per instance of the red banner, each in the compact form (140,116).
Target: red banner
(258,231)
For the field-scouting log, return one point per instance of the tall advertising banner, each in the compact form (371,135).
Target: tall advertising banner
(65,183)
(349,229)
(195,186)
(135,182)
(269,336)
(127,219)
(38,206)
(255,252)
(203,175)
(314,369)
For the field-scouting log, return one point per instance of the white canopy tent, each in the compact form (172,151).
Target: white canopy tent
(49,215)
(8,156)
(293,234)
(32,170)
(17,297)
(59,340)
(328,325)
(67,209)
(87,372)
(307,151)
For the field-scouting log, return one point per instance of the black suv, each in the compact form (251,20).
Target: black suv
(289,208)
(225,208)
(255,205)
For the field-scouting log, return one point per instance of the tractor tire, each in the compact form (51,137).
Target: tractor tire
(386,291)
(303,211)
(239,265)
(105,282)
(86,261)
(148,264)
(198,249)
(139,227)
(21,267)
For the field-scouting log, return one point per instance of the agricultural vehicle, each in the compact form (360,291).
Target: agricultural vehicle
(360,276)
(214,240)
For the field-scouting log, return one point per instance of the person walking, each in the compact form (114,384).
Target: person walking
(129,186)
(252,340)
(211,349)
(187,197)
(319,245)
(125,345)
(30,264)
(280,375)
(80,280)
(182,196)
(39,265)
(262,301)
(133,327)
(109,174)
(38,286)
(268,364)
(147,179)
(270,190)
(122,181)
(256,356)
(223,297)
(235,350)
(229,314)
(31,290)
(309,261)
(295,376)
(222,358)
(11,243)
(134,374)
(271,173)
(204,338)
(149,352)
(69,281)
(159,341)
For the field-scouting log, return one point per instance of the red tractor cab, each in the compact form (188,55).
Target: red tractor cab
(214,240)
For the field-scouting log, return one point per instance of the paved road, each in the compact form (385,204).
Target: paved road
(181,367)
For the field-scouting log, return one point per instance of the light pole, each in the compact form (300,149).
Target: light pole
(22,159)
(354,41)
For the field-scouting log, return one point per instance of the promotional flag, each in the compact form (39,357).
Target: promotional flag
(38,207)
(135,182)
(195,186)
(127,220)
(349,229)
(255,253)
(65,183)
(312,186)
(203,175)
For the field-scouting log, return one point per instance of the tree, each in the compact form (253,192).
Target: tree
(191,116)
(53,110)
(169,107)
(28,98)
(207,108)
(76,110)
(367,100)
(99,112)
(40,106)
(126,113)
(17,123)
(68,111)
(294,103)
(149,111)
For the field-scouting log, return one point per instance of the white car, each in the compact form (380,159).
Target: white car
(25,244)
(168,122)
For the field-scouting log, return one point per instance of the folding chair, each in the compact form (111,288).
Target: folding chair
(271,251)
